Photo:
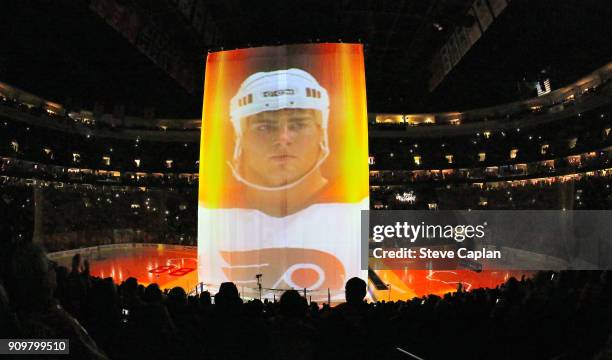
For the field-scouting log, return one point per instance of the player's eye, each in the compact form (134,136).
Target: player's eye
(299,124)
(265,127)
(296,126)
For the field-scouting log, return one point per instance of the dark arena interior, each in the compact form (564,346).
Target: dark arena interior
(500,106)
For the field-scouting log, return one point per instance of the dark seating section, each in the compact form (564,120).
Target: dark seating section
(570,192)
(77,216)
(45,146)
(563,315)
(569,135)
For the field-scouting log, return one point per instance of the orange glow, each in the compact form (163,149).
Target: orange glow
(284,149)
(405,284)
(347,128)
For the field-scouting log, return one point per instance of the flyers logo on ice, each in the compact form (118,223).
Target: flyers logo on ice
(285,267)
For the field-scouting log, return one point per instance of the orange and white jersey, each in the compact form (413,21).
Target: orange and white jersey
(317,248)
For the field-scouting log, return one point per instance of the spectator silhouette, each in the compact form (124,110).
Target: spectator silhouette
(355,291)
(294,335)
(205,299)
(233,335)
(228,299)
(151,333)
(354,309)
(103,311)
(76,289)
(30,282)
(131,298)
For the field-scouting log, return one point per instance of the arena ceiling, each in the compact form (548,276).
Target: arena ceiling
(82,52)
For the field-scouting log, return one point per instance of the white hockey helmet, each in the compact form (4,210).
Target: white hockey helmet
(277,90)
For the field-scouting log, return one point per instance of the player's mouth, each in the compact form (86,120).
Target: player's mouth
(282,157)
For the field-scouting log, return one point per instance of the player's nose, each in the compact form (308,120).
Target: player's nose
(285,135)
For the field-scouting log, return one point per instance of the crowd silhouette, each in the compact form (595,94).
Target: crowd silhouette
(552,315)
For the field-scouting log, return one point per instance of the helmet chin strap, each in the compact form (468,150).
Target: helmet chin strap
(241,179)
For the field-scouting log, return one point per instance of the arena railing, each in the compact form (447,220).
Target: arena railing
(272,294)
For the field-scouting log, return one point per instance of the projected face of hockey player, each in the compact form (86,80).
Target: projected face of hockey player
(279,147)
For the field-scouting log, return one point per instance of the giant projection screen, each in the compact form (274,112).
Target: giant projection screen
(283,168)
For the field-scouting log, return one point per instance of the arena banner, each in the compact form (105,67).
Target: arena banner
(283,168)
